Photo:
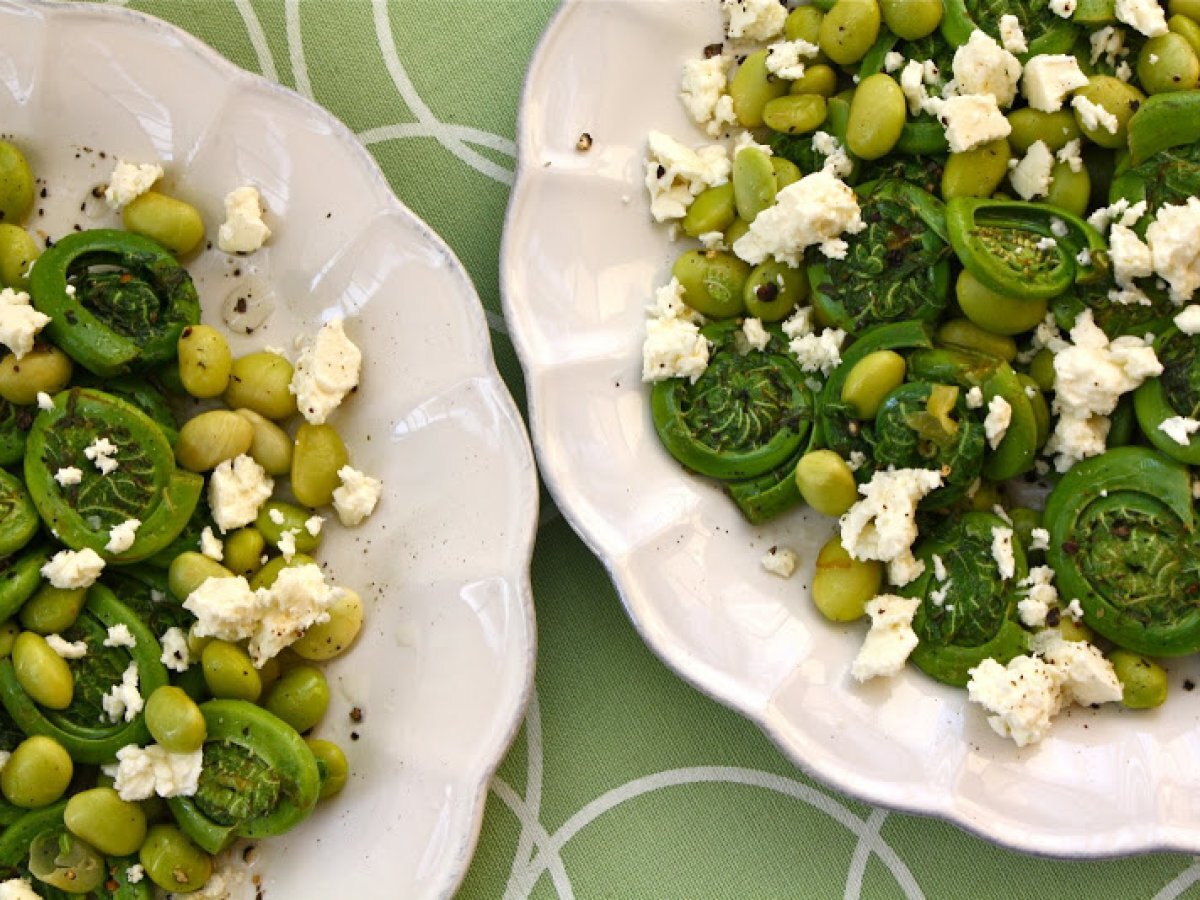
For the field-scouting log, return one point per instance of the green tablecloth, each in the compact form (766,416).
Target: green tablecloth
(624,782)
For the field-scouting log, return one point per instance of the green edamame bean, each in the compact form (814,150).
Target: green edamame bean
(773,289)
(16,185)
(848,30)
(713,283)
(826,482)
(52,610)
(1189,8)
(1041,370)
(332,638)
(1186,28)
(969,336)
(259,381)
(8,637)
(173,862)
(786,172)
(45,368)
(1054,129)
(196,645)
(174,224)
(978,172)
(712,210)
(243,551)
(175,721)
(912,19)
(331,762)
(204,361)
(318,454)
(795,113)
(229,672)
(995,312)
(985,498)
(100,817)
(752,86)
(818,79)
(265,577)
(735,231)
(300,697)
(754,185)
(276,517)
(270,447)
(189,570)
(1118,98)
(842,585)
(1143,681)
(804,24)
(873,377)
(37,773)
(1167,63)
(62,861)
(1075,631)
(18,250)
(212,437)
(42,673)
(877,115)
(1069,190)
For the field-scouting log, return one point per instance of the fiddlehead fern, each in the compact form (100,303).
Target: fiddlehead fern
(19,520)
(15,422)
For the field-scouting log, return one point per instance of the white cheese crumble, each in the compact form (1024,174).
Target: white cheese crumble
(71,569)
(757,337)
(135,873)
(103,454)
(816,210)
(175,653)
(981,66)
(837,160)
(1144,15)
(1002,551)
(1130,257)
(124,701)
(1093,116)
(1179,429)
(1108,42)
(18,889)
(20,323)
(129,181)
(819,351)
(1188,320)
(1074,609)
(236,490)
(67,649)
(211,545)
(68,475)
(1063,8)
(356,497)
(1174,239)
(121,537)
(1049,78)
(1087,677)
(1032,176)
(1023,696)
(754,20)
(780,561)
(974,397)
(702,92)
(999,416)
(675,174)
(1070,154)
(786,58)
(314,524)
(327,369)
(674,348)
(1039,539)
(243,230)
(890,640)
(882,525)
(939,568)
(893,61)
(276,516)
(1011,34)
(912,85)
(120,636)
(970,120)
(142,772)
(1040,596)
(44,401)
(287,542)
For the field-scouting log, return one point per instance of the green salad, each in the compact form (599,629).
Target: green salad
(942,292)
(162,616)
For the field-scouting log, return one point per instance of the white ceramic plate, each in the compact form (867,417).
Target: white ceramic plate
(445,663)
(580,262)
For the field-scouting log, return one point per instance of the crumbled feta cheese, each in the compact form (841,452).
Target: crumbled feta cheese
(1002,551)
(287,542)
(175,653)
(1039,539)
(1093,116)
(135,873)
(355,499)
(1144,15)
(1188,320)
(1087,678)
(754,20)
(1074,609)
(669,304)
(1049,78)
(1063,8)
(44,401)
(68,475)
(1032,176)
(1023,696)
(225,608)
(974,398)
(970,120)
(780,561)
(1108,42)
(939,568)
(883,524)
(757,337)
(313,525)
(1011,34)
(675,174)
(893,61)
(786,59)
(142,772)
(1070,154)
(1102,216)
(129,181)
(1040,595)
(819,352)
(674,348)
(712,240)
(211,545)
(103,454)
(817,209)
(857,460)
(18,889)
(20,323)
(1130,257)
(70,569)
(995,426)
(1174,239)
(912,84)
(236,490)
(837,162)
(121,537)
(243,230)
(120,636)
(1179,429)
(890,640)
(981,66)
(67,649)
(1046,243)
(327,369)
(904,569)
(124,701)
(703,91)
